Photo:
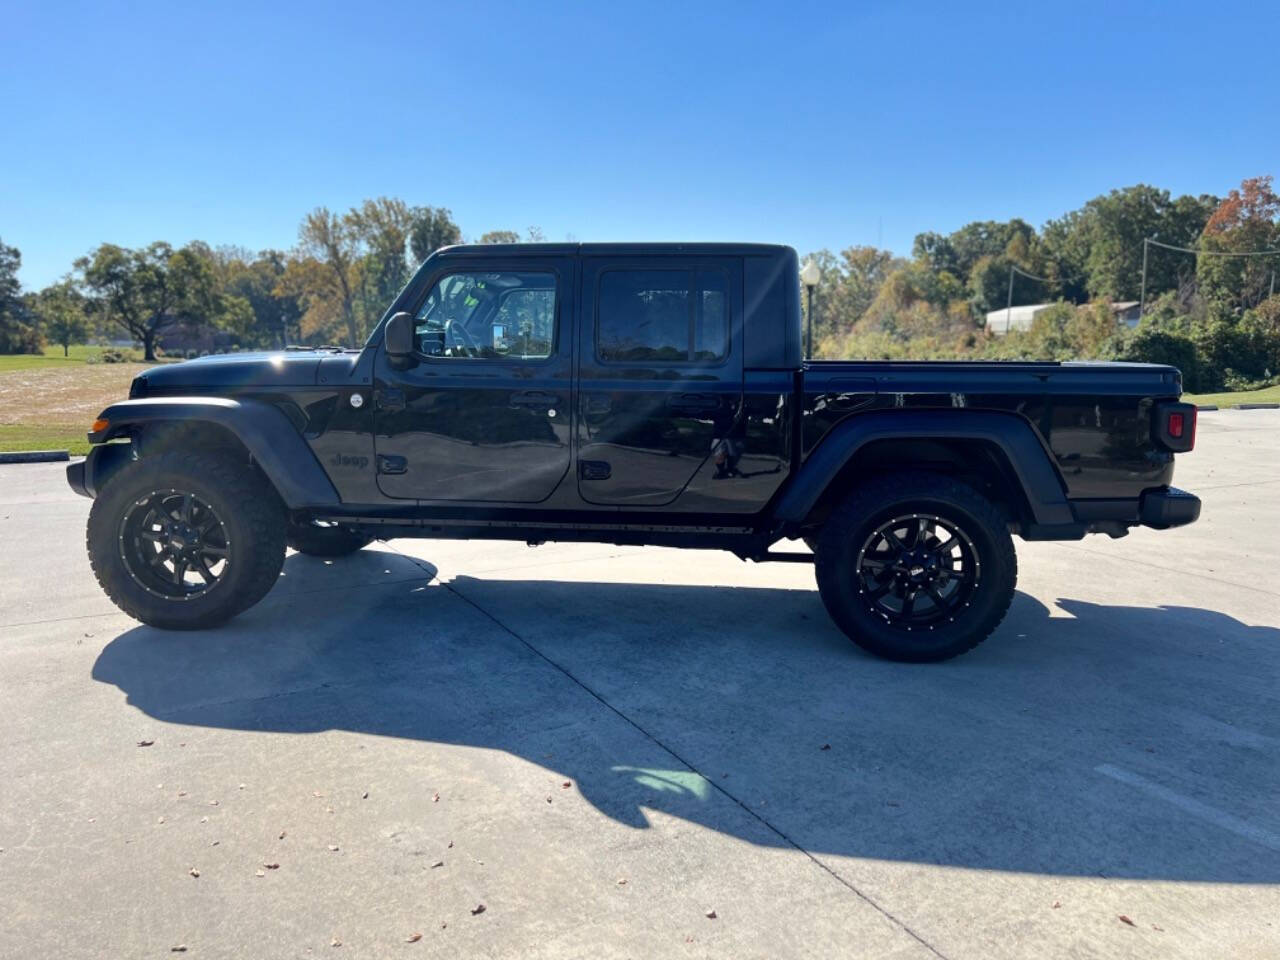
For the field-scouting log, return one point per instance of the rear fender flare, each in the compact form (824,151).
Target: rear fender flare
(272,441)
(1021,446)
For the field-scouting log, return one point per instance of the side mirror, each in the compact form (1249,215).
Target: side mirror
(398,336)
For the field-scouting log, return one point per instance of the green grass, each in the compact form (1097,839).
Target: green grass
(1265,395)
(77,351)
(22,437)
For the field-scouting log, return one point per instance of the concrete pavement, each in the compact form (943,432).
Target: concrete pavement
(601,745)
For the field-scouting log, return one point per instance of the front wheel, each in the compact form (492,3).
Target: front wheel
(184,541)
(916,567)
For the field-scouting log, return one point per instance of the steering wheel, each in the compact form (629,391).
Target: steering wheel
(456,331)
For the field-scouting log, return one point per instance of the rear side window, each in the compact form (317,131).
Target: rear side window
(662,316)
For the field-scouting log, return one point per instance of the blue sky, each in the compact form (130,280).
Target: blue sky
(815,124)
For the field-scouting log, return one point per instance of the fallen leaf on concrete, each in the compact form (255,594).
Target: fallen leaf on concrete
(413,938)
(182,793)
(145,743)
(443,924)
(272,866)
(435,798)
(365,796)
(194,872)
(450,844)
(1156,926)
(335,942)
(333,848)
(204,819)
(477,909)
(214,843)
(566,785)
(548,799)
(213,803)
(710,914)
(316,793)
(180,948)
(437,863)
(622,881)
(282,834)
(1057,904)
(160,820)
(1124,919)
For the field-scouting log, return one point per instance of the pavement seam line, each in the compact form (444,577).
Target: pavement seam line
(690,767)
(1156,566)
(265,600)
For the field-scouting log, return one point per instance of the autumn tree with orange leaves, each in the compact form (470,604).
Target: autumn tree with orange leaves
(1247,220)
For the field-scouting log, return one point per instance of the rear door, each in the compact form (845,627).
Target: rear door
(659,373)
(483,413)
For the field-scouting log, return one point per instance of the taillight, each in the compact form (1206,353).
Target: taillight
(1175,426)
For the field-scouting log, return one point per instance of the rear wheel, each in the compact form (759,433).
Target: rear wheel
(319,538)
(185,541)
(916,567)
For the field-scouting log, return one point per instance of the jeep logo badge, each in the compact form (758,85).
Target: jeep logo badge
(342,460)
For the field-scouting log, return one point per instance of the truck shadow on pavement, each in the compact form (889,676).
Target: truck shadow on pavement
(1083,740)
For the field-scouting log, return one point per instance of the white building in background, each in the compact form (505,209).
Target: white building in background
(1002,321)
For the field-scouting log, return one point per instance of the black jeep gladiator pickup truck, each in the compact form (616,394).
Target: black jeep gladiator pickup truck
(629,394)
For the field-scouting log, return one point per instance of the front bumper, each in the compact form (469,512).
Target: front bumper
(88,476)
(1168,507)
(75,478)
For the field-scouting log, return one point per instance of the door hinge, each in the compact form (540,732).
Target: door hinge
(390,399)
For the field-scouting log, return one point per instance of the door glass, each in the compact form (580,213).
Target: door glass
(669,316)
(711,325)
(508,315)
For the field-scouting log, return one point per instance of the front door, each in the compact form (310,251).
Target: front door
(659,374)
(483,413)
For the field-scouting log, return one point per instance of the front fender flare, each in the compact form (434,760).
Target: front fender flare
(272,441)
(1031,463)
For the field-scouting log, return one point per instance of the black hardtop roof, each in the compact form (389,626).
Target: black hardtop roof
(618,249)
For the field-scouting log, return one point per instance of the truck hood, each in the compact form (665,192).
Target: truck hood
(285,368)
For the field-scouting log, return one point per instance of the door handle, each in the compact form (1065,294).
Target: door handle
(535,399)
(693,402)
(392,464)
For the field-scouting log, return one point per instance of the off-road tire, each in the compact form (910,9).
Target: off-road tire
(245,504)
(883,500)
(316,541)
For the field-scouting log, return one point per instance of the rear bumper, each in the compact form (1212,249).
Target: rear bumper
(1168,507)
(1159,508)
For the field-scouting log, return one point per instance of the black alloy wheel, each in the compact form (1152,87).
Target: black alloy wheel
(174,545)
(917,571)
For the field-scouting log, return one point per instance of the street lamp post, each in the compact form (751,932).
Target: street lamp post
(809,276)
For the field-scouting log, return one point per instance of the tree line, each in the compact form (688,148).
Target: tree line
(332,287)
(1211,311)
